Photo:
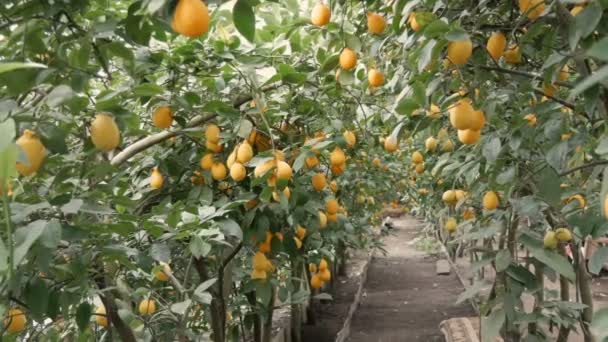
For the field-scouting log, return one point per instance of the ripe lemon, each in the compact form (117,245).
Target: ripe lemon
(532,8)
(213,147)
(434,112)
(231,158)
(212,133)
(34,151)
(576,10)
(376,162)
(391,144)
(286,193)
(319,182)
(337,156)
(417,157)
(218,171)
(156,179)
(468,136)
(162,117)
(548,90)
(413,22)
(468,214)
(375,78)
(298,242)
(449,197)
(238,172)
(263,168)
(15,321)
(338,169)
(163,273)
(348,59)
(580,198)
(316,282)
(451,225)
(460,194)
(322,220)
(332,206)
(375,23)
(147,307)
(323,265)
(490,201)
(461,114)
(513,55)
(419,168)
(258,274)
(605,206)
(301,232)
(550,240)
(333,186)
(191,18)
(320,15)
(207,161)
(531,118)
(325,275)
(100,316)
(283,170)
(447,146)
(430,144)
(259,260)
(563,234)
(350,138)
(496,45)
(311,162)
(478,120)
(244,153)
(564,73)
(459,52)
(312,268)
(104,133)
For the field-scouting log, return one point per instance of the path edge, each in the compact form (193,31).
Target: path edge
(343,334)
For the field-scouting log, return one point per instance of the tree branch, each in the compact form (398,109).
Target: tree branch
(520,73)
(592,164)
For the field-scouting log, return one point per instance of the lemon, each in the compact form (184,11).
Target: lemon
(496,45)
(564,73)
(320,15)
(162,117)
(490,200)
(468,136)
(316,282)
(391,144)
(419,168)
(338,169)
(212,133)
(312,268)
(301,232)
(375,23)
(258,274)
(447,146)
(244,153)
(430,144)
(478,120)
(191,18)
(576,10)
(283,170)
(417,157)
(449,197)
(322,220)
(550,240)
(163,273)
(286,193)
(332,206)
(311,162)
(350,138)
(337,156)
(513,55)
(319,182)
(413,22)
(348,59)
(325,275)
(451,225)
(333,186)
(104,133)
(531,8)
(100,316)
(459,52)
(531,118)
(375,78)
(15,321)
(434,112)
(207,161)
(218,171)
(213,147)
(34,151)
(156,179)
(563,234)
(263,168)
(376,162)
(238,172)
(461,114)
(147,307)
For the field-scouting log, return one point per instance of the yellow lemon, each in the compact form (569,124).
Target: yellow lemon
(375,78)
(417,157)
(162,274)
(375,23)
(391,144)
(322,219)
(244,153)
(449,197)
(162,117)
(532,8)
(316,282)
(319,182)
(156,179)
(332,206)
(100,316)
(490,200)
(550,240)
(218,171)
(462,114)
(459,52)
(15,321)
(337,156)
(513,55)
(350,138)
(563,234)
(478,120)
(104,133)
(430,144)
(238,172)
(34,151)
(434,112)
(468,136)
(325,275)
(212,133)
(496,45)
(320,15)
(191,18)
(348,59)
(147,307)
(207,161)
(283,170)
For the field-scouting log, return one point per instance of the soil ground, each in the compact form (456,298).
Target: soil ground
(404,300)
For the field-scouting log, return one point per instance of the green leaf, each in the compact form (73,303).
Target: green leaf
(491,149)
(457,35)
(8,160)
(25,238)
(597,261)
(472,291)
(503,259)
(5,67)
(244,19)
(330,63)
(83,315)
(37,297)
(599,324)
(181,307)
(7,133)
(147,89)
(557,155)
(231,228)
(491,325)
(436,28)
(426,55)
(599,50)
(198,247)
(598,75)
(555,261)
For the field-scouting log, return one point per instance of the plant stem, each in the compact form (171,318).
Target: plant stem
(9,233)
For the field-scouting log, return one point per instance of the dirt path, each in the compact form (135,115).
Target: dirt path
(404,299)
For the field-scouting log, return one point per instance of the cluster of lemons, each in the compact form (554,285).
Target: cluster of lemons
(320,274)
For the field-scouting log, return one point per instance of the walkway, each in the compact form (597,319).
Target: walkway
(404,300)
